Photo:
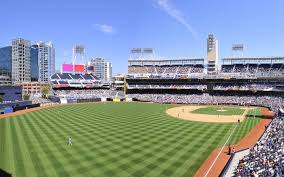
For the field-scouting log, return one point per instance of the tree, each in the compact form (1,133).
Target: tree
(26,96)
(1,99)
(45,91)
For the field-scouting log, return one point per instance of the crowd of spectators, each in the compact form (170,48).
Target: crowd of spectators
(251,87)
(166,69)
(169,86)
(266,158)
(86,93)
(39,100)
(244,87)
(262,70)
(275,103)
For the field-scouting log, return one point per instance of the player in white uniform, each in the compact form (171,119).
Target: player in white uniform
(70,141)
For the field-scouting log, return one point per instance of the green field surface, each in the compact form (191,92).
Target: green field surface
(213,110)
(110,139)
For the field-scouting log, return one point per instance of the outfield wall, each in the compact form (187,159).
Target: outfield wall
(6,108)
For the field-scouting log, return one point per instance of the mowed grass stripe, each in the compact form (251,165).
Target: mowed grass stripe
(161,159)
(76,154)
(117,139)
(157,155)
(45,143)
(208,145)
(2,140)
(9,154)
(40,168)
(245,126)
(77,138)
(44,164)
(22,151)
(67,154)
(189,156)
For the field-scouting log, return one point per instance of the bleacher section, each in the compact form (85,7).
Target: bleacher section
(166,68)
(66,80)
(238,68)
(236,76)
(260,67)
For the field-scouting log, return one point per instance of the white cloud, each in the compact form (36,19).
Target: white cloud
(176,14)
(104,28)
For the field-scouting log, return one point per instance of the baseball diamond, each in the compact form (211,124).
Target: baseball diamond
(113,139)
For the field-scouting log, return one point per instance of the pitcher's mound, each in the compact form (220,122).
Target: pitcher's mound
(221,110)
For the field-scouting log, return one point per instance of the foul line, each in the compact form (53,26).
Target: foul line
(221,151)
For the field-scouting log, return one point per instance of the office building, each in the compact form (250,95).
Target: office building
(33,88)
(46,60)
(5,65)
(108,71)
(102,69)
(21,61)
(34,65)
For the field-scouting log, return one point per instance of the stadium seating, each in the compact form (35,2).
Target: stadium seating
(266,158)
(273,102)
(76,76)
(165,70)
(261,69)
(74,80)
(88,93)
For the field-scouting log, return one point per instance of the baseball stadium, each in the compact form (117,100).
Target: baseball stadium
(170,117)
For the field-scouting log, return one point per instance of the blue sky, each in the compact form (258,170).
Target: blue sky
(174,28)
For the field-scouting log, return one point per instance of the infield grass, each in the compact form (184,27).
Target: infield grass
(109,139)
(218,110)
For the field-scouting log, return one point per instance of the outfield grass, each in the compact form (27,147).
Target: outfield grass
(213,110)
(112,139)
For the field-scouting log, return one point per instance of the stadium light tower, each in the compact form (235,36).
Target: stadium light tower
(238,50)
(136,53)
(78,52)
(142,53)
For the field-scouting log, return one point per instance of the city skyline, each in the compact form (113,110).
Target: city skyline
(174,29)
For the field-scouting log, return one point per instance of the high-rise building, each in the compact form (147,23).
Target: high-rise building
(21,61)
(5,65)
(34,65)
(46,60)
(6,61)
(103,69)
(212,53)
(108,71)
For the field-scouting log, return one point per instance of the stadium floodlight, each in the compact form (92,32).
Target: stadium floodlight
(148,51)
(78,51)
(238,47)
(136,50)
